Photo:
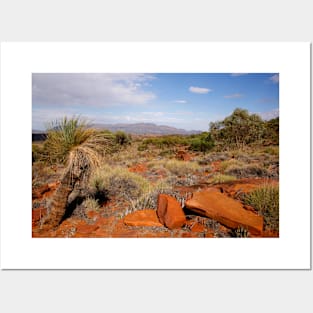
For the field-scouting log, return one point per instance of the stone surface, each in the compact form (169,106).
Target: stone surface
(183,155)
(143,218)
(170,212)
(224,210)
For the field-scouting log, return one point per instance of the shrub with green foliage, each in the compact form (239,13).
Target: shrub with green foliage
(238,129)
(121,138)
(203,142)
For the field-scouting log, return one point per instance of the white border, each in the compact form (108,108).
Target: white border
(20,251)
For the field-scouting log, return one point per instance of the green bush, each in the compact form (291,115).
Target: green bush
(202,143)
(121,138)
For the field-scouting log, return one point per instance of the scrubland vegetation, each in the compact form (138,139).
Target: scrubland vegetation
(119,173)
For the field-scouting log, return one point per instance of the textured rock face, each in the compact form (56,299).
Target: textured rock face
(170,212)
(183,155)
(142,218)
(225,210)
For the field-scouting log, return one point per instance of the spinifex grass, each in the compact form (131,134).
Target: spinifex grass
(265,200)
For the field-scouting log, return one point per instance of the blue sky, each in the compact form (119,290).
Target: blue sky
(183,100)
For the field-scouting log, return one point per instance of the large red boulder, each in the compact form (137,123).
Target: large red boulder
(142,218)
(225,210)
(170,212)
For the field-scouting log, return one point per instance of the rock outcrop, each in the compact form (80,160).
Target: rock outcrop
(170,212)
(143,218)
(225,210)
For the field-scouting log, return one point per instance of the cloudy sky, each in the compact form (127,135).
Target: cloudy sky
(189,101)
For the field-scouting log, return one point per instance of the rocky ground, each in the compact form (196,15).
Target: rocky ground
(208,210)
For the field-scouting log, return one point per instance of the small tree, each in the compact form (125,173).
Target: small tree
(238,129)
(71,142)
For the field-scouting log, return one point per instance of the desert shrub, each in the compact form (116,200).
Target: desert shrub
(203,143)
(181,168)
(68,134)
(121,138)
(273,150)
(228,164)
(118,182)
(38,152)
(238,130)
(250,170)
(91,204)
(265,200)
(218,178)
(271,132)
(214,156)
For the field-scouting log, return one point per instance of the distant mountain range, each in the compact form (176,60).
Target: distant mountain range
(137,129)
(146,129)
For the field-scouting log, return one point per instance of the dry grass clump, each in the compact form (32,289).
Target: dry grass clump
(265,200)
(250,170)
(181,168)
(118,182)
(91,204)
(232,163)
(219,178)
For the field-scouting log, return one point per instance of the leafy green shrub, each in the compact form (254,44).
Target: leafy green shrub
(265,200)
(202,143)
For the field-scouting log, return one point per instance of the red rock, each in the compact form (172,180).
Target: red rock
(183,155)
(139,168)
(225,210)
(143,218)
(170,212)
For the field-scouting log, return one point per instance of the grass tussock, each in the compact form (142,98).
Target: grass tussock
(91,204)
(219,178)
(67,134)
(249,170)
(118,182)
(181,168)
(265,200)
(229,164)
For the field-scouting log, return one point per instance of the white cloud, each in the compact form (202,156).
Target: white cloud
(199,90)
(180,101)
(275,79)
(234,96)
(83,89)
